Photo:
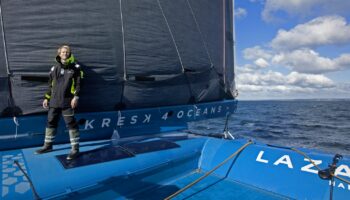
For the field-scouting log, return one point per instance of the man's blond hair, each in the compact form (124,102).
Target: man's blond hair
(63,47)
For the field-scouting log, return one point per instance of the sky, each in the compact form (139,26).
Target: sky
(292,49)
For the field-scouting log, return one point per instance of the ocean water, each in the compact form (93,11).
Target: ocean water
(315,124)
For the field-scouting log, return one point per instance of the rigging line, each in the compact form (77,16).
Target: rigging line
(307,157)
(15,120)
(205,45)
(316,166)
(36,196)
(200,33)
(340,178)
(124,57)
(172,36)
(123,36)
(4,40)
(211,171)
(178,53)
(10,99)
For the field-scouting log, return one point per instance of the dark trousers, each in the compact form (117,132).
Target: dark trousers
(68,116)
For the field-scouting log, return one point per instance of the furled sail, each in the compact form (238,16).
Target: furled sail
(135,53)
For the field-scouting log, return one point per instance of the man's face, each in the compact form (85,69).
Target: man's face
(64,53)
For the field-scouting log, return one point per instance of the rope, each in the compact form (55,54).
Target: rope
(204,42)
(15,120)
(178,54)
(209,172)
(200,32)
(36,195)
(318,168)
(123,35)
(172,36)
(340,178)
(9,73)
(307,157)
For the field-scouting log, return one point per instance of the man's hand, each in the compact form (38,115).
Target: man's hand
(46,104)
(74,102)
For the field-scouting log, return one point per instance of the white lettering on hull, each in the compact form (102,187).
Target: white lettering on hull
(342,170)
(284,160)
(308,168)
(259,158)
(88,124)
(146,118)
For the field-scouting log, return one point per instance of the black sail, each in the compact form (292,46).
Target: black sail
(4,81)
(135,53)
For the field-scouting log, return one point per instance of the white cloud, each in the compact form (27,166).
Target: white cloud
(292,7)
(277,82)
(304,8)
(262,63)
(255,53)
(261,79)
(320,31)
(292,49)
(244,69)
(275,85)
(240,13)
(309,80)
(309,61)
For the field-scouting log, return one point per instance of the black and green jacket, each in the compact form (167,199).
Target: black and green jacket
(64,83)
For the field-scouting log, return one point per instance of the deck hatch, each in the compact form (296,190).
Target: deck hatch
(100,155)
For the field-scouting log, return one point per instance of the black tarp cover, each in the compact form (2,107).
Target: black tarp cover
(135,53)
(4,87)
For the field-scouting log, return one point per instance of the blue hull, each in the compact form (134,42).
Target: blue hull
(259,172)
(29,130)
(140,162)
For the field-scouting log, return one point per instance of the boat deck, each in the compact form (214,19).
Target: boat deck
(158,167)
(212,187)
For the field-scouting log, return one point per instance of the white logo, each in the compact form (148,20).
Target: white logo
(342,170)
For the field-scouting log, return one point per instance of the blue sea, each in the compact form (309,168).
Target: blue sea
(315,124)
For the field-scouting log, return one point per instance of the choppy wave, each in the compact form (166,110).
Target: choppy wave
(324,125)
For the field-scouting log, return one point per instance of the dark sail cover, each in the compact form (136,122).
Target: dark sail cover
(4,86)
(135,53)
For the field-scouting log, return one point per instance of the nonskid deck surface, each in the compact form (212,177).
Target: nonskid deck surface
(212,187)
(53,178)
(162,168)
(39,167)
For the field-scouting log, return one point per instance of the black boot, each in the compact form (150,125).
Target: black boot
(49,138)
(74,153)
(45,149)
(74,141)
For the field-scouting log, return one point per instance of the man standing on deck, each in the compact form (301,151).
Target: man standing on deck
(62,98)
